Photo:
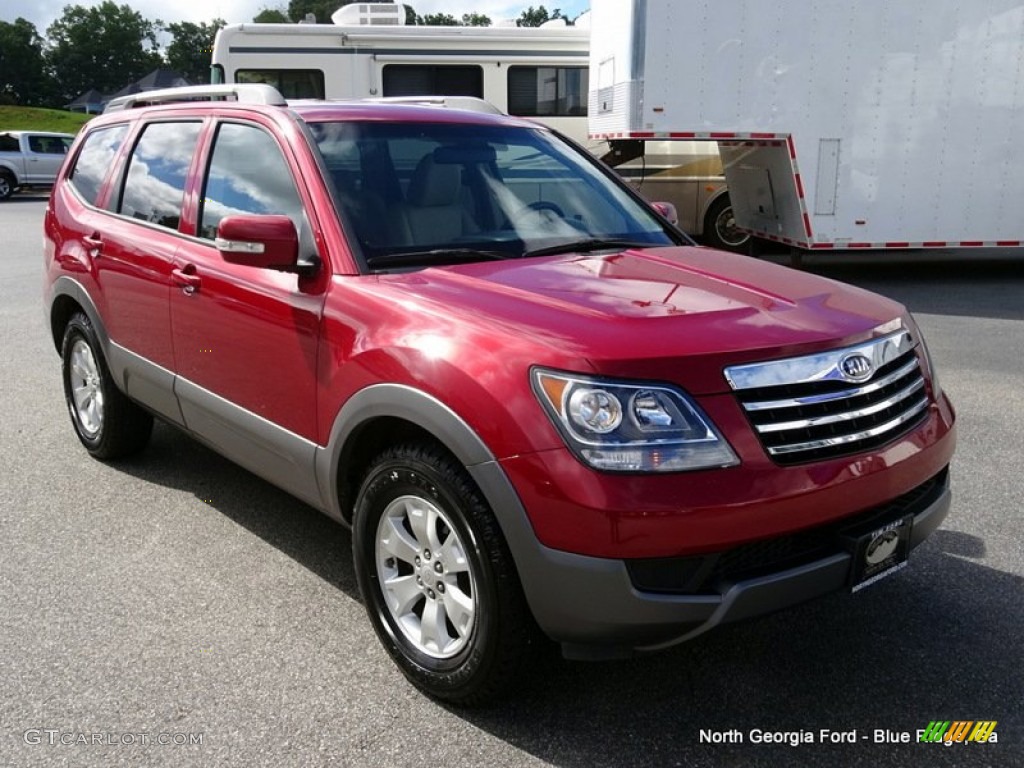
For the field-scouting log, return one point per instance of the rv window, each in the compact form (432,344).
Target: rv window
(292,83)
(433,80)
(547,91)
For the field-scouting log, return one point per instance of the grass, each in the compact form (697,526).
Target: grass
(33,119)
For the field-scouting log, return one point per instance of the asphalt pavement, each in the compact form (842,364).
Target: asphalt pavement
(174,610)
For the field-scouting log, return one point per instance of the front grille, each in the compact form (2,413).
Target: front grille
(827,415)
(712,574)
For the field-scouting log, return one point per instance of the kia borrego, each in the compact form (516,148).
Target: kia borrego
(543,411)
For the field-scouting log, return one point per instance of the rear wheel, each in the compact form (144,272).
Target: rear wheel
(109,425)
(720,229)
(7,185)
(437,578)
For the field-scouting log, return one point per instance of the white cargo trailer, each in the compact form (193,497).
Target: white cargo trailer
(841,125)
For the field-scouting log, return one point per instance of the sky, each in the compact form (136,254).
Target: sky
(43,12)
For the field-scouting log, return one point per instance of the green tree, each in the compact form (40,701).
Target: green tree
(535,17)
(437,20)
(104,47)
(22,74)
(192,48)
(271,16)
(475,20)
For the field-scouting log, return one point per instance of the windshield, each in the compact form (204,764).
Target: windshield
(422,194)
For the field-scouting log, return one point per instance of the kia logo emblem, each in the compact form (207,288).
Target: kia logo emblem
(856,367)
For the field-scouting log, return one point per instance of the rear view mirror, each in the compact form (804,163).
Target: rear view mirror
(267,242)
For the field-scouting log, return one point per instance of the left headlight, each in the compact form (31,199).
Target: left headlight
(621,426)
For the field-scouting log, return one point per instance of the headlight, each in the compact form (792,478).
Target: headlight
(624,427)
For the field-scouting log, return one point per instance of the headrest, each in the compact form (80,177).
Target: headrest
(435,184)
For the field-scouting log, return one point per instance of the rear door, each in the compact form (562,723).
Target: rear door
(44,158)
(135,250)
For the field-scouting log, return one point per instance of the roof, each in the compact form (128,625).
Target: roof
(38,133)
(158,78)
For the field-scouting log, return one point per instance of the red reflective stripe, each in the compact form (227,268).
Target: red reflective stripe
(807,225)
(714,135)
(897,245)
(792,148)
(764,135)
(822,246)
(935,244)
(972,243)
(799,186)
(1008,243)
(685,135)
(860,245)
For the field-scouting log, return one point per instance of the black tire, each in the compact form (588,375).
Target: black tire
(719,228)
(7,185)
(483,661)
(109,425)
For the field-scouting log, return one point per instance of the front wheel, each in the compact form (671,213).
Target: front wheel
(720,230)
(108,424)
(437,578)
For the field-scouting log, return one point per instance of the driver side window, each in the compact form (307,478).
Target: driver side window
(247,175)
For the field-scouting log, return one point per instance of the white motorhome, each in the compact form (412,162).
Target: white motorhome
(540,73)
(873,124)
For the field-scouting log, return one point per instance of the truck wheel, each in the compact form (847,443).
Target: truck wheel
(7,185)
(720,227)
(437,578)
(109,425)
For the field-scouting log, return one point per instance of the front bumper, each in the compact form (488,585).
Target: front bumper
(593,607)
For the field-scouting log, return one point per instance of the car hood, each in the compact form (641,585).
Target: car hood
(677,313)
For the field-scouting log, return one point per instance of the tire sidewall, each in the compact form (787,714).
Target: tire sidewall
(79,328)
(711,233)
(387,481)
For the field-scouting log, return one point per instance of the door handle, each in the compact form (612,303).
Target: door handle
(187,278)
(94,243)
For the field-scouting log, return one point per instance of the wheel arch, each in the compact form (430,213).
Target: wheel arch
(381,415)
(67,296)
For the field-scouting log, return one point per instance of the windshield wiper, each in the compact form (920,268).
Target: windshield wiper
(586,246)
(435,257)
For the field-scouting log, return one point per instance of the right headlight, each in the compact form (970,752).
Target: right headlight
(620,426)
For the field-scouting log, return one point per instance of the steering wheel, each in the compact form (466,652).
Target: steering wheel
(547,205)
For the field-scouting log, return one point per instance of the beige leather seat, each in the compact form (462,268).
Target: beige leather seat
(435,211)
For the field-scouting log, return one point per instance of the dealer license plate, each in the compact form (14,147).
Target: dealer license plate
(880,553)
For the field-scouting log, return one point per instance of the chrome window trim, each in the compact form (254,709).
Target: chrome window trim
(823,366)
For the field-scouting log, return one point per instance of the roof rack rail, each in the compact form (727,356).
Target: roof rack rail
(247,93)
(470,103)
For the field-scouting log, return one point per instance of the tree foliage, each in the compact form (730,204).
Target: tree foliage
(104,47)
(192,47)
(21,64)
(534,17)
(447,20)
(271,16)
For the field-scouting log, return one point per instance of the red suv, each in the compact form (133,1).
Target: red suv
(536,402)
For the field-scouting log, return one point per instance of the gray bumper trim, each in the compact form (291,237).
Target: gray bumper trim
(590,605)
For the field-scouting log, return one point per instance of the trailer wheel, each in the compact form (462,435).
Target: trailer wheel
(720,227)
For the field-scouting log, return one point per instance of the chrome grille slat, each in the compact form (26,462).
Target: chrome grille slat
(819,407)
(819,421)
(844,394)
(830,442)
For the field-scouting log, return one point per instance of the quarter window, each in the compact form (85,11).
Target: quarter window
(96,158)
(247,174)
(433,80)
(547,91)
(155,184)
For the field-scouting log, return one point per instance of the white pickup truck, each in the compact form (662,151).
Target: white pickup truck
(30,159)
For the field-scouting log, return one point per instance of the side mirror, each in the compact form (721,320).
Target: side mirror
(267,242)
(667,211)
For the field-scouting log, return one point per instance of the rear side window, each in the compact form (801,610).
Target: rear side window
(433,80)
(94,160)
(9,143)
(155,184)
(47,145)
(247,174)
